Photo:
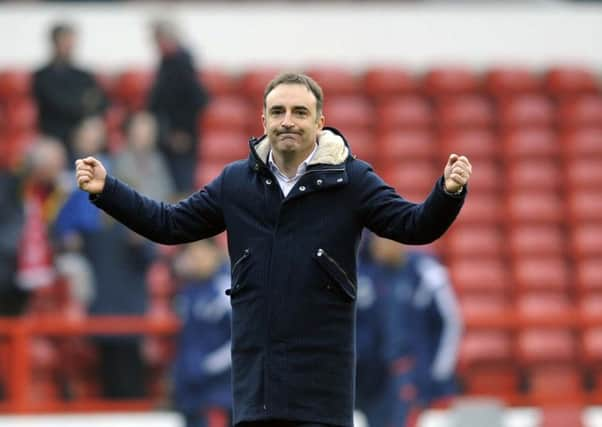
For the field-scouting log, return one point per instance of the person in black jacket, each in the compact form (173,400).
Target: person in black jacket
(294,211)
(65,94)
(177,98)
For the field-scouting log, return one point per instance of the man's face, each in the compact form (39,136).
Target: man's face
(65,44)
(290,119)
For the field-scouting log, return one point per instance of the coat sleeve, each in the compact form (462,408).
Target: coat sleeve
(387,214)
(197,217)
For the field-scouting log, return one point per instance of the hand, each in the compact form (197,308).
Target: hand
(91,175)
(457,173)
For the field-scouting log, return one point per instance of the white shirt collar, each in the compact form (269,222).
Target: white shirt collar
(300,169)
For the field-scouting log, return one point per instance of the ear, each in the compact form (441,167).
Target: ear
(264,124)
(321,121)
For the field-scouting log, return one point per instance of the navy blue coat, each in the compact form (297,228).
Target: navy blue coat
(293,268)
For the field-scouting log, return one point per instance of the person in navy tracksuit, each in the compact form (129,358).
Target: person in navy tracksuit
(372,373)
(294,211)
(422,327)
(201,371)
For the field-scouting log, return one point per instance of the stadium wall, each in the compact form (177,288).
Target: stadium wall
(243,34)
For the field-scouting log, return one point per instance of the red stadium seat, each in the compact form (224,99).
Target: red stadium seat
(479,274)
(229,114)
(219,82)
(14,84)
(526,240)
(485,346)
(481,209)
(538,174)
(344,112)
(541,273)
(400,145)
(132,87)
(470,111)
(44,386)
(474,143)
(546,345)
(562,81)
(15,147)
(583,173)
(253,82)
(224,146)
(21,116)
(475,240)
(404,112)
(382,82)
(526,110)
(410,176)
(586,240)
(361,142)
(335,81)
(590,312)
(591,343)
(486,177)
(585,205)
(591,348)
(547,307)
(484,309)
(588,275)
(207,171)
(530,143)
(582,142)
(555,384)
(543,207)
(450,80)
(493,379)
(510,81)
(582,111)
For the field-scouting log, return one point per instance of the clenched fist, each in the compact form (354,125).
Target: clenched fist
(90,174)
(457,173)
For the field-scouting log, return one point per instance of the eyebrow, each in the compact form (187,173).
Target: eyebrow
(295,108)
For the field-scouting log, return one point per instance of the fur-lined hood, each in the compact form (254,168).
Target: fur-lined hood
(332,148)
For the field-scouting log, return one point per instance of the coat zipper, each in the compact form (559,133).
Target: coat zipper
(322,253)
(234,286)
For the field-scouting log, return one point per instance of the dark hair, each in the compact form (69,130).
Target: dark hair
(60,29)
(298,79)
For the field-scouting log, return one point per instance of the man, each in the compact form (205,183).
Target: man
(421,323)
(65,94)
(177,98)
(294,211)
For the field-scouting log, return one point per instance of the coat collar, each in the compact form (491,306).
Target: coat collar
(332,150)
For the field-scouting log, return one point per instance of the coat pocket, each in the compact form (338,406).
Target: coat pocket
(336,273)
(238,269)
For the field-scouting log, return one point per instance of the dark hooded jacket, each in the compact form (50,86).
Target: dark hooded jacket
(293,268)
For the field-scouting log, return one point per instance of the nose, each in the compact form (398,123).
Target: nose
(287,121)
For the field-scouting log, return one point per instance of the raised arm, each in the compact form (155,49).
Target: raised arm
(387,214)
(197,217)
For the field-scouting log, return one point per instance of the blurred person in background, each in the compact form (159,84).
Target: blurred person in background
(119,260)
(65,93)
(294,211)
(201,372)
(372,369)
(141,164)
(30,199)
(422,327)
(177,98)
